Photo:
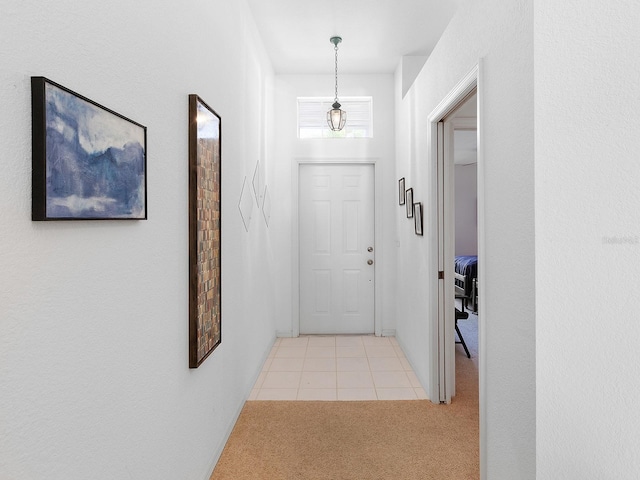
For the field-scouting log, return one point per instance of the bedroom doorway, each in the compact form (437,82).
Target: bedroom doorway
(461,129)
(455,112)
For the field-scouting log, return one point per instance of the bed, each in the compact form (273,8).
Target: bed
(466,280)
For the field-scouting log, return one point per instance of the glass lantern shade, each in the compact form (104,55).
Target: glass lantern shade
(336,118)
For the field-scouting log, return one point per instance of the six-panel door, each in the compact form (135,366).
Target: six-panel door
(337,251)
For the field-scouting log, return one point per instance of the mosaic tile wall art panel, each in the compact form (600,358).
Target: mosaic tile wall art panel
(205,129)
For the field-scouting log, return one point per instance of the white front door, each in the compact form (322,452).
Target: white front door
(337,251)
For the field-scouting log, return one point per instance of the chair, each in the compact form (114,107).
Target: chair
(460,315)
(459,287)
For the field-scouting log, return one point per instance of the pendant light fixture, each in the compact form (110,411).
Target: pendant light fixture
(336,118)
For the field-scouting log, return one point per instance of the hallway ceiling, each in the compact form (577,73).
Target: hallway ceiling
(375,33)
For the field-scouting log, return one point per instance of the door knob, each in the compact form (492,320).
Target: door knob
(369,262)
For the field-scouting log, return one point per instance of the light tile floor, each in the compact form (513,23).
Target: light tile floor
(346,367)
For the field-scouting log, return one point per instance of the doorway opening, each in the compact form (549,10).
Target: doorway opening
(455,113)
(460,134)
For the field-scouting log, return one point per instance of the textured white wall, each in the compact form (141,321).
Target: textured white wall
(587,146)
(290,149)
(94,315)
(466,204)
(502,34)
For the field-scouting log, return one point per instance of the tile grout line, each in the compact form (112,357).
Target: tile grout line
(304,358)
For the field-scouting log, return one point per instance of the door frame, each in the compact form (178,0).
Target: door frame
(295,239)
(442,343)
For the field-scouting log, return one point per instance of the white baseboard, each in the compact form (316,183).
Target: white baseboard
(385,333)
(284,334)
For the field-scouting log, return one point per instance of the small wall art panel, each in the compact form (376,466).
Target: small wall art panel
(205,247)
(245,205)
(401,192)
(89,162)
(266,206)
(417,215)
(409,202)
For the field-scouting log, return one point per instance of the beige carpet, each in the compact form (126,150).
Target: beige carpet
(400,440)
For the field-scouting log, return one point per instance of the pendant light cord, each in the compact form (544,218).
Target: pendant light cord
(336,49)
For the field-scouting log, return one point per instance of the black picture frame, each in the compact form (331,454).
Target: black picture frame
(205,231)
(88,162)
(401,191)
(409,202)
(417,216)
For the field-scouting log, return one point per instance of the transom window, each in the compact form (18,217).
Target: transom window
(312,117)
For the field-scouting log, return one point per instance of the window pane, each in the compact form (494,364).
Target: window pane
(312,117)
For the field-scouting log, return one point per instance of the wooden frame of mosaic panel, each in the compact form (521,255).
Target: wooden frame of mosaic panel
(205,247)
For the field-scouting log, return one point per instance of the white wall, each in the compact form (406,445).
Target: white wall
(290,151)
(500,33)
(94,315)
(466,205)
(587,120)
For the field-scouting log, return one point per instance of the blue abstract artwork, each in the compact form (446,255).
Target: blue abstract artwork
(94,159)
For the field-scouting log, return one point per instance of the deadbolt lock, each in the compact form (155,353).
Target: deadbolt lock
(370,249)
